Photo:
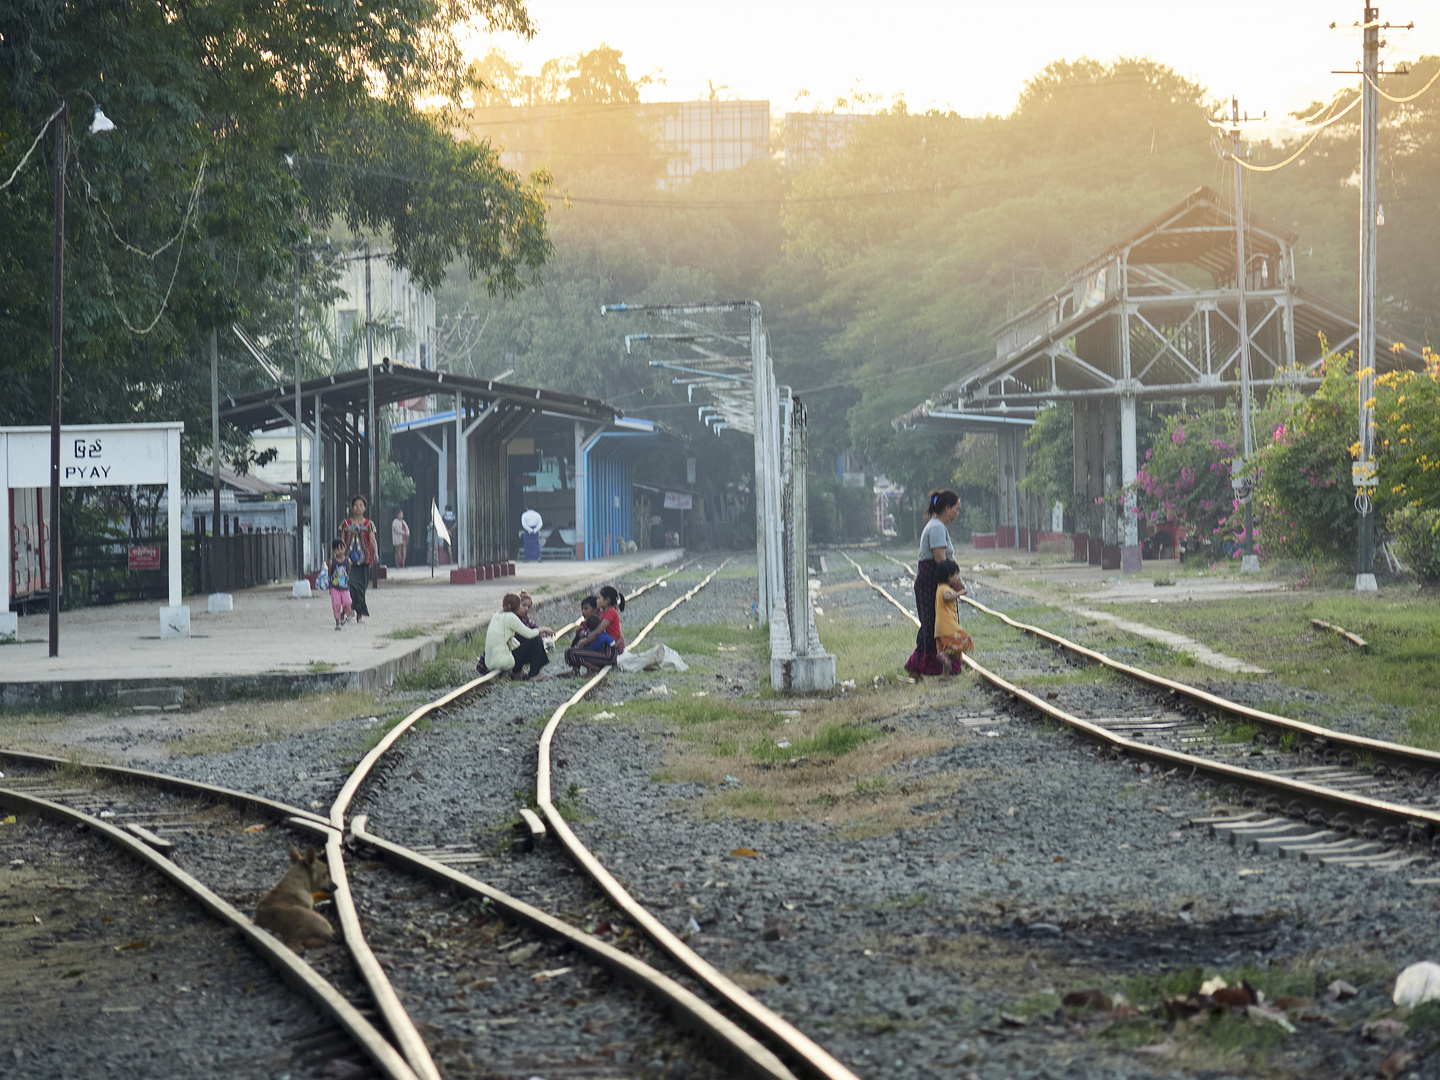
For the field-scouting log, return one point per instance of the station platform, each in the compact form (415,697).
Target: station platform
(271,643)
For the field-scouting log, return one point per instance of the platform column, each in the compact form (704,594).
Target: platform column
(1110,458)
(174,618)
(1082,481)
(1130,551)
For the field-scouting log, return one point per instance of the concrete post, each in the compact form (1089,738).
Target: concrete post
(1110,458)
(1130,551)
(1082,480)
(9,621)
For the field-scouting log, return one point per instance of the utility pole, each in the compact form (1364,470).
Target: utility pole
(1249,561)
(1364,472)
(294,162)
(57,356)
(215,556)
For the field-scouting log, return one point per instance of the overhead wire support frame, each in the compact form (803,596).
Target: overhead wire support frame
(798,661)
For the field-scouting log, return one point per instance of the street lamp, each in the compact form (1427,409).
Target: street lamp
(99,125)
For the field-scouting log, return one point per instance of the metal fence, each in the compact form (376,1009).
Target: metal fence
(243,560)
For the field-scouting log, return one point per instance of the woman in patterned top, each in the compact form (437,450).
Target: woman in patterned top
(358,533)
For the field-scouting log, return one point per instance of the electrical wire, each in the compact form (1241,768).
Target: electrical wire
(1403,100)
(43,128)
(1272,168)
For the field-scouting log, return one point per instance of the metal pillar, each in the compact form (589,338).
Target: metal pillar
(1364,469)
(57,358)
(318,536)
(1249,562)
(1095,508)
(458,543)
(579,478)
(216,556)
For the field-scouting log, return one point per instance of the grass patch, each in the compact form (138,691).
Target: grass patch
(453,664)
(319,667)
(706,639)
(405,633)
(1401,668)
(1236,731)
(832,740)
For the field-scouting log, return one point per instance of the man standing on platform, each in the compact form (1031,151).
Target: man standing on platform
(400,538)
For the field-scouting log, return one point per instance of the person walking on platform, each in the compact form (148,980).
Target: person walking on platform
(358,532)
(531,523)
(936,547)
(400,538)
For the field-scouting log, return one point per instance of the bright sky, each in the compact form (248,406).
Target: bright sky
(1276,55)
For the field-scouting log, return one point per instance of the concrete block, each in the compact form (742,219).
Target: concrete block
(802,674)
(9,626)
(509,569)
(174,622)
(465,576)
(156,696)
(1366,583)
(300,590)
(1130,559)
(221,601)
(1250,564)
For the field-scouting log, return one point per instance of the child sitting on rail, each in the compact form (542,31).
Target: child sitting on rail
(587,651)
(951,641)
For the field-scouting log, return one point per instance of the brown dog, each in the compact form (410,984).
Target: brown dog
(288,910)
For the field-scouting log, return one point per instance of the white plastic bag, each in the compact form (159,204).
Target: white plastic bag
(659,658)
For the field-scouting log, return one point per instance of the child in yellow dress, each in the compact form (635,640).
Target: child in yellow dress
(951,640)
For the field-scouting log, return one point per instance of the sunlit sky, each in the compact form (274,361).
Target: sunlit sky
(1276,55)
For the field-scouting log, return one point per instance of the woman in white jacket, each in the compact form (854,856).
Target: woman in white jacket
(528,649)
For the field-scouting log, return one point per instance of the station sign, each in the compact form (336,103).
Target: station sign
(678,500)
(91,456)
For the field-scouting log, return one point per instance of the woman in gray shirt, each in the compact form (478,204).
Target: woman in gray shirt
(935,548)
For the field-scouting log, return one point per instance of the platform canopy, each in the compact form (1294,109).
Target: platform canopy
(487,413)
(1155,314)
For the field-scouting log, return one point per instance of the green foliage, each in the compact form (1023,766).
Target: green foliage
(1407,437)
(839,514)
(185,219)
(395,486)
(1417,536)
(1051,449)
(1304,500)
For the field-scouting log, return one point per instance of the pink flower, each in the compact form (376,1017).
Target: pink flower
(1178,438)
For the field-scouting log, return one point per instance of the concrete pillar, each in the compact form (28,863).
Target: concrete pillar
(1095,481)
(1130,523)
(1110,471)
(1025,538)
(1082,481)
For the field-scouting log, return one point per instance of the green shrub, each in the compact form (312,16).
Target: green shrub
(1417,536)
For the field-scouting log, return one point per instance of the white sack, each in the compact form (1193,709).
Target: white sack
(659,658)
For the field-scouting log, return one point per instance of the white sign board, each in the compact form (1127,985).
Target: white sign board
(97,455)
(678,500)
(91,455)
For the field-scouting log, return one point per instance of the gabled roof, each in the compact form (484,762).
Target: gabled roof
(348,391)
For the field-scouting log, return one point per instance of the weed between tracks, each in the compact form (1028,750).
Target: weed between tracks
(832,760)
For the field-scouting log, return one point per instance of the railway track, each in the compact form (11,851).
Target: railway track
(755,1039)
(1302,790)
(161,821)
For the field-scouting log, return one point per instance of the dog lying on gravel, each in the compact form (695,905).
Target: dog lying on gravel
(288,910)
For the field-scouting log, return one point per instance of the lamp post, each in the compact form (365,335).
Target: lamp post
(98,126)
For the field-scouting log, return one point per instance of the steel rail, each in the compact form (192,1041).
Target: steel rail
(397,1018)
(687,1008)
(1393,754)
(170,783)
(299,975)
(1301,793)
(802,1051)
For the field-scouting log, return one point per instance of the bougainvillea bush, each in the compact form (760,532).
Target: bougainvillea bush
(1185,477)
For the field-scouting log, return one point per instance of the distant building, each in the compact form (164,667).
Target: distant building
(692,136)
(811,137)
(393,295)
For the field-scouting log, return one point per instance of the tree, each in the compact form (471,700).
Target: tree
(186,218)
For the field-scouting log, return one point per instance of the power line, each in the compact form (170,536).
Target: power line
(1402,100)
(43,128)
